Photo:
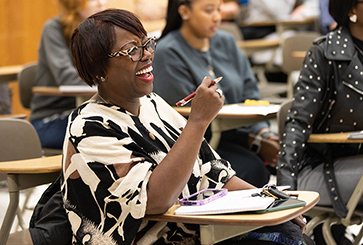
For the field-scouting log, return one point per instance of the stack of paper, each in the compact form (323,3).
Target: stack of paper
(250,109)
(357,135)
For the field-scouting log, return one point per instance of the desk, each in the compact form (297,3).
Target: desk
(227,121)
(333,138)
(283,24)
(25,174)
(18,116)
(81,95)
(9,73)
(215,228)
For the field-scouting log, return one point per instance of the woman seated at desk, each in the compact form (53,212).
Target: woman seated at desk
(191,48)
(127,153)
(55,68)
(327,99)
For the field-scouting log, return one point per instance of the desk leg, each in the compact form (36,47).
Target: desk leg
(211,234)
(12,180)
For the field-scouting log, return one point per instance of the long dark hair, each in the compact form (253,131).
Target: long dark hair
(173,18)
(339,10)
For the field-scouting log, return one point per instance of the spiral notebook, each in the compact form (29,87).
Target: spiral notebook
(234,201)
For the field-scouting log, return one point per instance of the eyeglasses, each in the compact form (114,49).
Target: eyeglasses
(136,53)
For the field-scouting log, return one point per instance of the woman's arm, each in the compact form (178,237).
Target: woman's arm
(56,52)
(171,175)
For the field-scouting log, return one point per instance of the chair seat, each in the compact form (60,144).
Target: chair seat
(20,237)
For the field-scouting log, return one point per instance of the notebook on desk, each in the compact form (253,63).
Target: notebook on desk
(356,135)
(242,201)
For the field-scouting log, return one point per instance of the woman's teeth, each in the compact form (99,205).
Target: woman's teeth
(143,71)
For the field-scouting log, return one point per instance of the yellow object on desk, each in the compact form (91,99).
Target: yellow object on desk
(256,102)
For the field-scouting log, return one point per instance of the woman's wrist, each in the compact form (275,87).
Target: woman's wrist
(267,134)
(255,145)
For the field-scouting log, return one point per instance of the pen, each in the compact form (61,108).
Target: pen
(184,101)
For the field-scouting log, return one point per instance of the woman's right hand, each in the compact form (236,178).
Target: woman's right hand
(206,103)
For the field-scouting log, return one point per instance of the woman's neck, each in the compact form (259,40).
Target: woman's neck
(201,44)
(132,106)
(356,31)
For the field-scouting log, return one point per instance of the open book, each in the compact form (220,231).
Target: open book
(77,88)
(234,201)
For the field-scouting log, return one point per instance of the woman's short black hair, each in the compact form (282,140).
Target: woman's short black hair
(94,39)
(173,18)
(339,10)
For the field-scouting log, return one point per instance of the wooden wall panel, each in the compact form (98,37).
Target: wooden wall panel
(21,24)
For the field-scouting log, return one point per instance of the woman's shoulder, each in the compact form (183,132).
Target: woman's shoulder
(53,23)
(52,29)
(224,41)
(336,45)
(172,39)
(223,36)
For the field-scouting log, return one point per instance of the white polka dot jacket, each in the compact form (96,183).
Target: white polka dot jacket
(328,98)
(109,157)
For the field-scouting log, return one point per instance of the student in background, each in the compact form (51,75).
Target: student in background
(327,99)
(55,68)
(327,23)
(191,48)
(267,10)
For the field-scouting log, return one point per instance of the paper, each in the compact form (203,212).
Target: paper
(77,88)
(250,109)
(357,135)
(234,201)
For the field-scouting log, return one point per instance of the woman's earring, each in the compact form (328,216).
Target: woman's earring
(353,18)
(102,79)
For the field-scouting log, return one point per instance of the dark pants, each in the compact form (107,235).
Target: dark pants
(51,134)
(248,165)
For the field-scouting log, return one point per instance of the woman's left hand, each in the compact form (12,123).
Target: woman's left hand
(300,221)
(269,149)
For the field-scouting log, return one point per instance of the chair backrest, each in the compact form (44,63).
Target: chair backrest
(232,28)
(26,78)
(300,41)
(282,115)
(18,140)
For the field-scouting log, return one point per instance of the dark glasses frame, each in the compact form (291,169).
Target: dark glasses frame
(151,41)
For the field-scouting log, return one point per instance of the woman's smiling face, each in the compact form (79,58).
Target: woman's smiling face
(125,77)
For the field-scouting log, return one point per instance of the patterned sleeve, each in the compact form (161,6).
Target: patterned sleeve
(105,176)
(308,97)
(108,161)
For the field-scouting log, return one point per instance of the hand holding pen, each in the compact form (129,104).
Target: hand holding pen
(187,99)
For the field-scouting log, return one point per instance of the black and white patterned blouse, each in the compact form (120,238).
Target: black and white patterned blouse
(110,155)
